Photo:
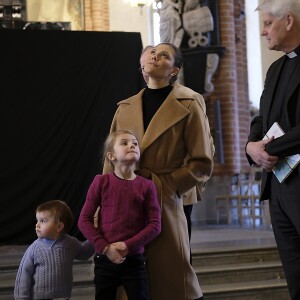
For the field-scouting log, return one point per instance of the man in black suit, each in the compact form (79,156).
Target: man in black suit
(280,102)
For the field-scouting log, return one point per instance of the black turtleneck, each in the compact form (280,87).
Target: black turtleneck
(152,100)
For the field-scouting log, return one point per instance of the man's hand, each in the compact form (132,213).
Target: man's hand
(260,156)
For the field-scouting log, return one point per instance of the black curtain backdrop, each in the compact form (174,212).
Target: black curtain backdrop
(59,91)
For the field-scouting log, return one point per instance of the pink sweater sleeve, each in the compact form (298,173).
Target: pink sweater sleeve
(153,222)
(86,218)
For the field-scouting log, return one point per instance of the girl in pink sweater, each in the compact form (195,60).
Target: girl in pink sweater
(129,218)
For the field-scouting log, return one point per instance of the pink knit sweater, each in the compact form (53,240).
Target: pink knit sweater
(129,212)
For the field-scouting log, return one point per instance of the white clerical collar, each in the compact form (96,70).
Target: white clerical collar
(291,54)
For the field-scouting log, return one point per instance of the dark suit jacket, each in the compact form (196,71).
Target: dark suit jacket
(289,143)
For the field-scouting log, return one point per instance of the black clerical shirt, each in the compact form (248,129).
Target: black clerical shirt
(279,105)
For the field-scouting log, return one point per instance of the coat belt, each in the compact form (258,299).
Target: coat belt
(153,175)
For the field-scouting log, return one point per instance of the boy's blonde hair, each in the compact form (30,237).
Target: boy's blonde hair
(60,210)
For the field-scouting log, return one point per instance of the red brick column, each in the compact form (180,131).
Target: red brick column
(242,80)
(226,90)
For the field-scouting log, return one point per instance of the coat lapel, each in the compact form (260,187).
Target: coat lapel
(132,116)
(170,112)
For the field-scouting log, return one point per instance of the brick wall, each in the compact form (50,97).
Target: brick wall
(242,80)
(231,88)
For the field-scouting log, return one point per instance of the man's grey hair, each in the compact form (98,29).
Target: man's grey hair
(280,8)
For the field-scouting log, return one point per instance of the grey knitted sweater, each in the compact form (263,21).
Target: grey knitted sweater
(46,269)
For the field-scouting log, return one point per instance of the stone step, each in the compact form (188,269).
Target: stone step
(224,274)
(219,257)
(245,274)
(257,290)
(82,274)
(200,257)
(263,290)
(80,292)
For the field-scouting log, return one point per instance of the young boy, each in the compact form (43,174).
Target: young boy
(45,271)
(129,218)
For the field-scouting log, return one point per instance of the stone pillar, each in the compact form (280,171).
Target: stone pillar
(226,90)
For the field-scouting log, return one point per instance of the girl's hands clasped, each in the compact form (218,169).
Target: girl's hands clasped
(116,252)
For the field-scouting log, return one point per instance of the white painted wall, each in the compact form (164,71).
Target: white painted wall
(54,11)
(123,17)
(254,55)
(258,55)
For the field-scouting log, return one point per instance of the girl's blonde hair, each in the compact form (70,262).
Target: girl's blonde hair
(110,142)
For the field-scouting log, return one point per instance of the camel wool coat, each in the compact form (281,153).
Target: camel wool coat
(177,154)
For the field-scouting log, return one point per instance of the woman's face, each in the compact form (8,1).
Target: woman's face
(159,62)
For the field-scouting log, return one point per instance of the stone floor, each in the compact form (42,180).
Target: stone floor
(207,237)
(210,237)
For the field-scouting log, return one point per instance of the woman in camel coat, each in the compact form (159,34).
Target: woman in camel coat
(177,151)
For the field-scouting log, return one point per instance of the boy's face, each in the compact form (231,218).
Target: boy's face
(47,226)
